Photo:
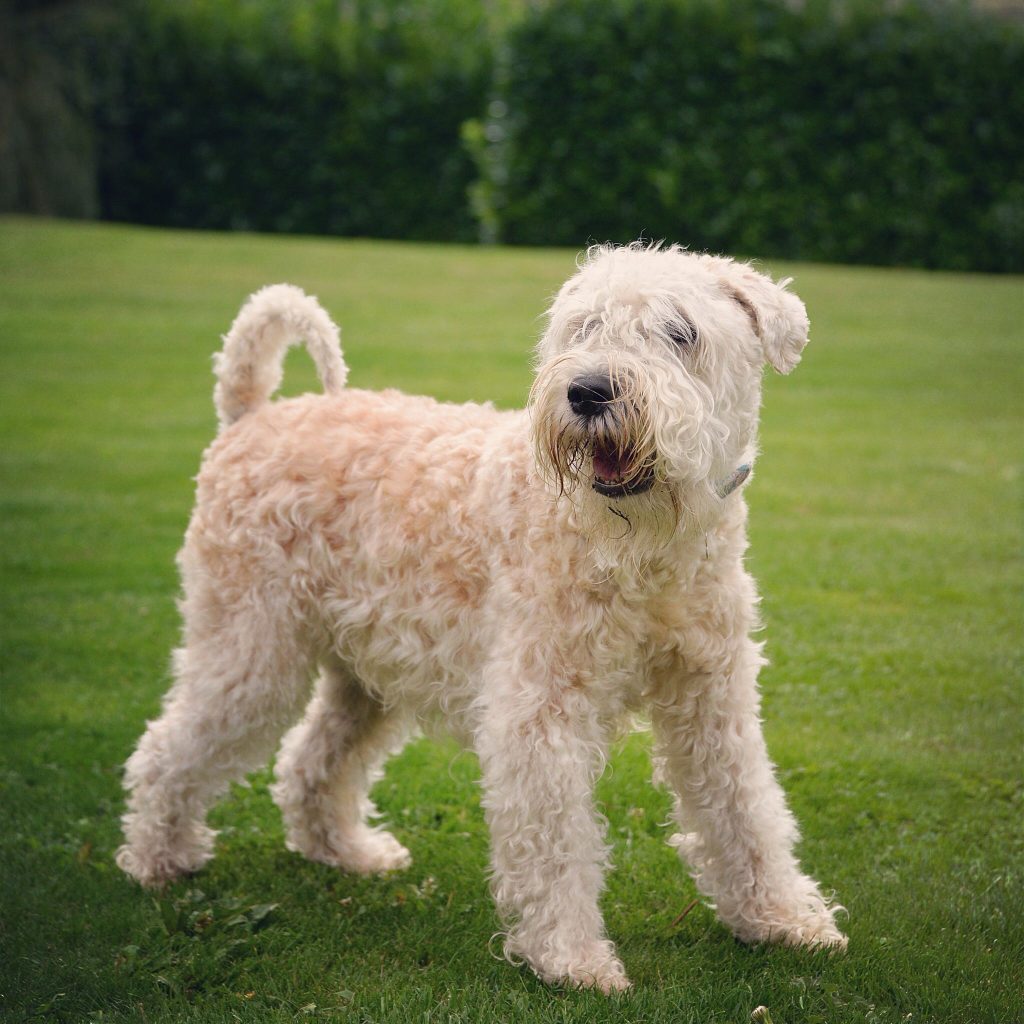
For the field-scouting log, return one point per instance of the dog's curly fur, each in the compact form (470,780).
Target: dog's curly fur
(532,578)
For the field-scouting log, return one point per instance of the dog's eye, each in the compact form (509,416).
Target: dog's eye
(582,329)
(682,333)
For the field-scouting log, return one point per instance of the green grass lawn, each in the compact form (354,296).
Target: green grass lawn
(886,522)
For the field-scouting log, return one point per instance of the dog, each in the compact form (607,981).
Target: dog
(533,579)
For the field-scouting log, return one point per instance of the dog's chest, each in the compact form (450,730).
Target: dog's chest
(628,637)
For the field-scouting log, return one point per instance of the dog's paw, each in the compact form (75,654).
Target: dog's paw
(366,851)
(373,853)
(596,967)
(820,934)
(816,931)
(789,912)
(608,978)
(156,871)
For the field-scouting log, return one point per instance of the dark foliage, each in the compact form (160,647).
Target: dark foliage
(834,132)
(218,120)
(860,131)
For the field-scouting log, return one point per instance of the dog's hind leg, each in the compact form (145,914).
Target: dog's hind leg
(240,678)
(325,768)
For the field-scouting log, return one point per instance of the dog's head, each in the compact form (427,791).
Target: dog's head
(648,386)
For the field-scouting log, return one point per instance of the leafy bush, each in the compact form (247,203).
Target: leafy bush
(47,146)
(281,117)
(842,132)
(860,131)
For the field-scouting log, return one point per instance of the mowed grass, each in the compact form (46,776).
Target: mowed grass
(886,523)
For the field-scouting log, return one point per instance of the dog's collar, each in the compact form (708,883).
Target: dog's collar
(726,487)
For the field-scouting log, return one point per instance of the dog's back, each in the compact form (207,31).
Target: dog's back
(374,513)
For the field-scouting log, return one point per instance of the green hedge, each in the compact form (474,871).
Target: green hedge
(861,131)
(48,162)
(848,132)
(286,117)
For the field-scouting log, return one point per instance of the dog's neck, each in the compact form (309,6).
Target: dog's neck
(656,564)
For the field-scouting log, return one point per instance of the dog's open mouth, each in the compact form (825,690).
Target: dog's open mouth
(616,472)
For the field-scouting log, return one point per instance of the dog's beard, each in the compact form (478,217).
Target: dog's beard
(611,470)
(613,453)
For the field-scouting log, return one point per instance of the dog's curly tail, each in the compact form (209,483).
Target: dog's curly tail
(250,365)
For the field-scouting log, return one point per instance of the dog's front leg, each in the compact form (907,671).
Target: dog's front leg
(742,834)
(541,751)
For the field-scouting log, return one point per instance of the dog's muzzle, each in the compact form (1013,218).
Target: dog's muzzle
(616,469)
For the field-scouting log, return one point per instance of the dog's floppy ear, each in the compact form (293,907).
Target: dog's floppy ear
(779,317)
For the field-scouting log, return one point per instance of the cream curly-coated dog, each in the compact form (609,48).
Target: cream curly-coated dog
(532,578)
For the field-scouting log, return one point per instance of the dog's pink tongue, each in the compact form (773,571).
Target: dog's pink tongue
(610,465)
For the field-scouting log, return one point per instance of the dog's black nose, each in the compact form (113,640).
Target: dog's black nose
(589,395)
